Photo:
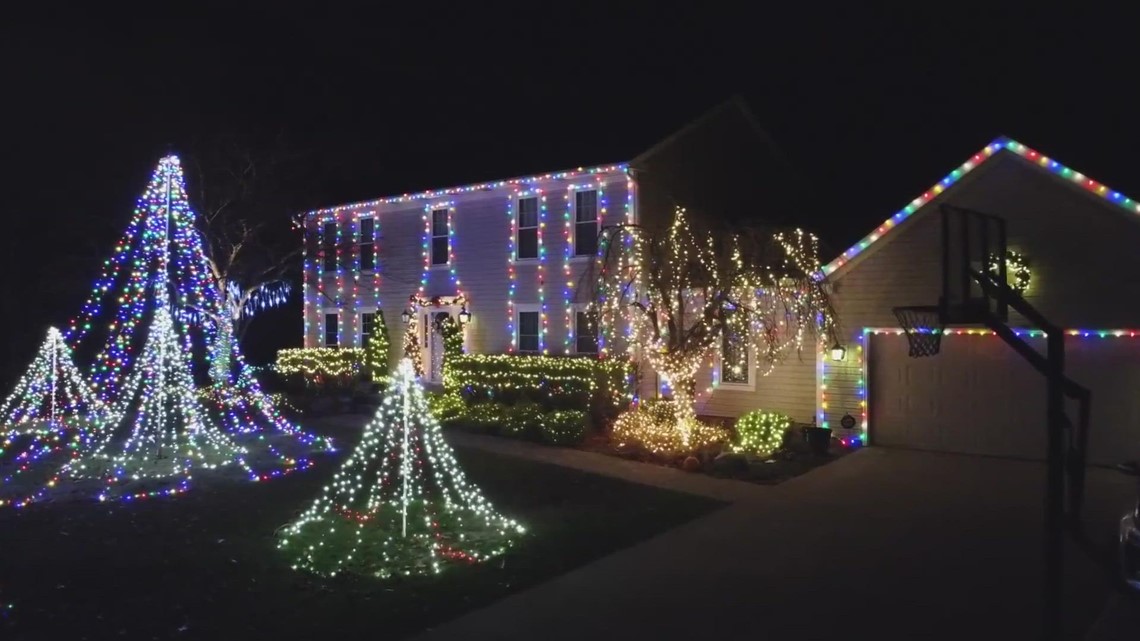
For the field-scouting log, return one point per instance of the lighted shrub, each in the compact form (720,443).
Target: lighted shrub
(563,427)
(484,417)
(760,433)
(322,367)
(555,382)
(654,426)
(447,408)
(521,420)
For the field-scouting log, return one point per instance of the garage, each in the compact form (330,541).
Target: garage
(979,397)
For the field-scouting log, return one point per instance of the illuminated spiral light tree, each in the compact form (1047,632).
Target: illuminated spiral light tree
(400,505)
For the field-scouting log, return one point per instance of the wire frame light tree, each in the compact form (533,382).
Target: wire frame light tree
(672,296)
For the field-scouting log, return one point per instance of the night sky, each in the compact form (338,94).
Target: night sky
(872,108)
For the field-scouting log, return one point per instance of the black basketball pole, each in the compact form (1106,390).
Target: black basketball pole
(1055,490)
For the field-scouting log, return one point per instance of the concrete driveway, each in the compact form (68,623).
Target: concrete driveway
(885,544)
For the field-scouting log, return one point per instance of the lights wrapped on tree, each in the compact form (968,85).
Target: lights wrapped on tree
(682,294)
(400,505)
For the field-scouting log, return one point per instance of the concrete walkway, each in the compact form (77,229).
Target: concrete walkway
(884,544)
(601,464)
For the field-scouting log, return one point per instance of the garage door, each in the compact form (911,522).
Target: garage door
(979,397)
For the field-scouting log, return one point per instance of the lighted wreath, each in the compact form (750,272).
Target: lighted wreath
(1016,269)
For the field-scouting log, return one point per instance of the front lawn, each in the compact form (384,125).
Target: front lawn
(205,565)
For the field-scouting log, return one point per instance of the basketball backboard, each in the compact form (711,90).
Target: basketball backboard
(973,244)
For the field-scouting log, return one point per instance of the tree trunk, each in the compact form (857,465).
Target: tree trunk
(681,376)
(221,352)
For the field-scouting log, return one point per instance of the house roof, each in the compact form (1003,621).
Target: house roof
(989,151)
(450,191)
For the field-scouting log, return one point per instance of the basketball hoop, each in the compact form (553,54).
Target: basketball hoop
(923,326)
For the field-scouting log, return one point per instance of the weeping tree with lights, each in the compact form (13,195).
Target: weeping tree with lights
(672,296)
(400,505)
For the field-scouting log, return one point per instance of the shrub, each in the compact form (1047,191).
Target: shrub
(563,427)
(322,367)
(760,433)
(447,408)
(556,382)
(521,420)
(485,417)
(376,352)
(653,425)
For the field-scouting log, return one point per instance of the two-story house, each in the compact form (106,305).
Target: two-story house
(506,258)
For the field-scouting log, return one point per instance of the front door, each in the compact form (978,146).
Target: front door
(432,341)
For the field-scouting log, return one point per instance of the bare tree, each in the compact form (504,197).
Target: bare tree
(245,192)
(675,295)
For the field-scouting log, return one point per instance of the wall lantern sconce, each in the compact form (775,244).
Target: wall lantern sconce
(407,316)
(838,352)
(464,316)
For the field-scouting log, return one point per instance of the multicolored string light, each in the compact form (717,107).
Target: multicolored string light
(975,161)
(51,393)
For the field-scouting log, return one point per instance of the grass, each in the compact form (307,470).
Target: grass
(205,565)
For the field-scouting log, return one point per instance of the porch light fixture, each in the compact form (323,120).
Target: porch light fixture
(407,316)
(838,352)
(464,316)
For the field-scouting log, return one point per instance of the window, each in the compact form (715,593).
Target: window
(328,238)
(585,333)
(439,239)
(527,244)
(367,244)
(331,329)
(528,331)
(367,326)
(585,223)
(734,364)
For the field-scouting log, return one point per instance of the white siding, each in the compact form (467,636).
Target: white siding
(1081,248)
(481,241)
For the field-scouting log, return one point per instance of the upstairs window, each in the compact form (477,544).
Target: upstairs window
(440,227)
(527,242)
(528,331)
(586,223)
(328,241)
(367,327)
(585,333)
(367,244)
(331,330)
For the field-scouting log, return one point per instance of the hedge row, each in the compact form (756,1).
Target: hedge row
(525,420)
(555,382)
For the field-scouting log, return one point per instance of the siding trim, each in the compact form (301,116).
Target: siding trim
(1002,143)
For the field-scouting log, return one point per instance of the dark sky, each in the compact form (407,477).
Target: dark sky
(872,107)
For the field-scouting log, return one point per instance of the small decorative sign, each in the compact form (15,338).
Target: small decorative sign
(847,422)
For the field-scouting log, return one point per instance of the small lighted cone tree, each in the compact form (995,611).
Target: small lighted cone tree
(674,295)
(48,415)
(400,505)
(51,394)
(411,349)
(161,430)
